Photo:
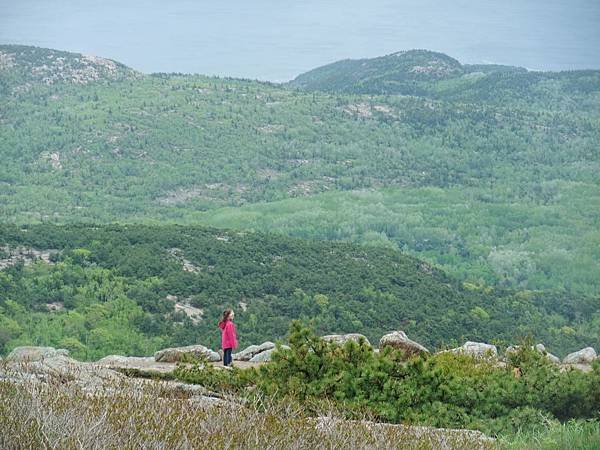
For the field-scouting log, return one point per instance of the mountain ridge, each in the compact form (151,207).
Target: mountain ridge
(436,75)
(518,149)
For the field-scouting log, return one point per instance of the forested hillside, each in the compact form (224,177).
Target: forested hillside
(407,73)
(134,289)
(435,75)
(488,171)
(23,67)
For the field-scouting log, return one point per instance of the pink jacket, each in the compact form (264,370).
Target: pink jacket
(228,335)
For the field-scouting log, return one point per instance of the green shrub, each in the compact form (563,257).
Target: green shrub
(443,390)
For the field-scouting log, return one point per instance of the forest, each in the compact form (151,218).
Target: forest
(114,289)
(497,195)
(496,189)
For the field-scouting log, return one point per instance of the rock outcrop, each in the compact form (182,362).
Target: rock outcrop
(429,437)
(250,352)
(476,349)
(42,363)
(46,366)
(143,364)
(585,356)
(399,340)
(553,359)
(31,354)
(266,355)
(177,354)
(341,339)
(123,361)
(12,255)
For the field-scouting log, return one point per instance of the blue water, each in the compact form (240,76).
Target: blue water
(279,39)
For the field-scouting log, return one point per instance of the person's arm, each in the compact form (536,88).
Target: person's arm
(235,341)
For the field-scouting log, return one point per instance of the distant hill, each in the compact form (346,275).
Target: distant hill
(22,66)
(408,72)
(398,73)
(436,75)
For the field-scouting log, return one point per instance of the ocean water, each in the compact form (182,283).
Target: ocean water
(278,39)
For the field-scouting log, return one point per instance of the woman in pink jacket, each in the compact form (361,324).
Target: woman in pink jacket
(228,336)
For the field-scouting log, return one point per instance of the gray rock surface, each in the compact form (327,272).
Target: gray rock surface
(399,340)
(30,354)
(476,349)
(432,438)
(143,364)
(124,361)
(341,339)
(266,355)
(542,349)
(249,352)
(176,354)
(37,364)
(584,356)
(95,379)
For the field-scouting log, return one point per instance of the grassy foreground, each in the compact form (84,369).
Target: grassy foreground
(574,435)
(59,416)
(56,416)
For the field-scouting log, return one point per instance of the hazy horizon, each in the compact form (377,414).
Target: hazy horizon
(274,41)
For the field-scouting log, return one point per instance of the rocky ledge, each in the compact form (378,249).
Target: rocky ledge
(46,365)
(41,361)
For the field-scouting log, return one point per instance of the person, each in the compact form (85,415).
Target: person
(228,336)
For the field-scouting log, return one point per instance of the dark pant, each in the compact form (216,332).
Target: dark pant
(227,356)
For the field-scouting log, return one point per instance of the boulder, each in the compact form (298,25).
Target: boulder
(585,356)
(177,354)
(540,348)
(266,355)
(476,349)
(249,352)
(31,354)
(553,359)
(399,340)
(341,339)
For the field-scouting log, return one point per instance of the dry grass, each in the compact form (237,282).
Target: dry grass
(55,414)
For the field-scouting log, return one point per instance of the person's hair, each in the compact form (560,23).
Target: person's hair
(226,315)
